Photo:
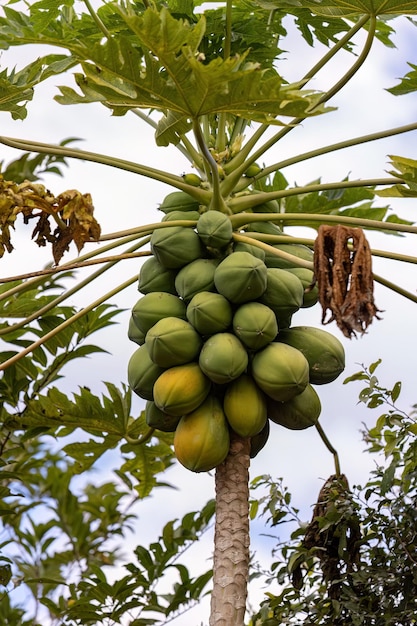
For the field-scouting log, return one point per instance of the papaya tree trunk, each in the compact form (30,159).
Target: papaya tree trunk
(231,537)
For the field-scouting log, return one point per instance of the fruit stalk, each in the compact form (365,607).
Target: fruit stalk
(231,536)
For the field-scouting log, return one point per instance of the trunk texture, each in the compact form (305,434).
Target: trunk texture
(231,537)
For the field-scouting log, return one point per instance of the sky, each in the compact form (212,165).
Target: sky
(123,200)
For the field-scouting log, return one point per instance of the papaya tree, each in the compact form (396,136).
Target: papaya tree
(218,355)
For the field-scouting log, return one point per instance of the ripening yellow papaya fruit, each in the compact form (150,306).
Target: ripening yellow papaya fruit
(202,440)
(244,405)
(181,389)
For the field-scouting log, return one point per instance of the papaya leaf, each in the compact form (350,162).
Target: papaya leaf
(147,461)
(92,413)
(408,83)
(351,8)
(86,453)
(170,74)
(407,170)
(16,89)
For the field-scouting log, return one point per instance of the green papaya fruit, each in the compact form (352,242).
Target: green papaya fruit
(181,389)
(281,374)
(172,341)
(202,440)
(154,306)
(214,229)
(259,441)
(134,334)
(241,277)
(181,215)
(244,405)
(195,277)
(175,246)
(179,201)
(155,277)
(241,246)
(283,294)
(209,313)
(192,179)
(155,418)
(311,290)
(142,373)
(223,358)
(252,170)
(299,413)
(297,250)
(266,228)
(323,351)
(255,324)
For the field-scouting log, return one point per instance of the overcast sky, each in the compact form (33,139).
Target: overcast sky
(124,200)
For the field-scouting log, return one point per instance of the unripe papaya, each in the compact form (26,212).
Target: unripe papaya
(155,277)
(192,179)
(202,440)
(255,324)
(311,290)
(155,418)
(283,294)
(181,215)
(223,358)
(241,277)
(299,413)
(281,374)
(259,441)
(179,201)
(134,334)
(323,351)
(154,307)
(297,250)
(244,405)
(181,389)
(241,246)
(172,341)
(195,277)
(142,373)
(214,229)
(266,228)
(252,170)
(209,313)
(175,246)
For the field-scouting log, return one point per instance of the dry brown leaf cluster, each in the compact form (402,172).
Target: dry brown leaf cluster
(333,533)
(343,271)
(61,220)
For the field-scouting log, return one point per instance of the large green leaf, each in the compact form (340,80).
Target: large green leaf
(168,73)
(351,8)
(408,83)
(16,88)
(407,170)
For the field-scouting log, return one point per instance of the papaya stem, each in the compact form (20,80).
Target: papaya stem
(237,161)
(275,251)
(217,202)
(231,536)
(68,322)
(341,145)
(75,266)
(330,448)
(97,20)
(198,193)
(142,439)
(396,288)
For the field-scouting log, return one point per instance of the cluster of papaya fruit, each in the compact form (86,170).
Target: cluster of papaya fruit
(216,347)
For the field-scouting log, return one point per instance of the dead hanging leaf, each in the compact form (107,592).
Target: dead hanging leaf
(334,533)
(343,271)
(76,210)
(61,220)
